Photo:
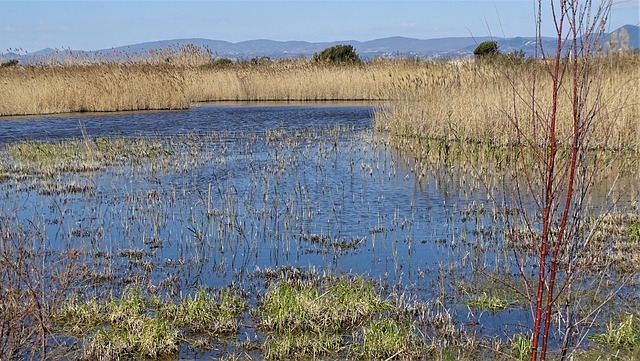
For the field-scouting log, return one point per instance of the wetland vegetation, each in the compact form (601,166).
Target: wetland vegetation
(317,242)
(398,230)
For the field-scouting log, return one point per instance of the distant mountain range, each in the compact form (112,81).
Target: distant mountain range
(456,47)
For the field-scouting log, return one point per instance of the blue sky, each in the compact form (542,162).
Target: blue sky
(93,25)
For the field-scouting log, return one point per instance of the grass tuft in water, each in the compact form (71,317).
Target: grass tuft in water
(207,313)
(488,303)
(623,335)
(294,345)
(387,339)
(308,319)
(137,336)
(128,326)
(135,326)
(634,233)
(521,346)
(339,306)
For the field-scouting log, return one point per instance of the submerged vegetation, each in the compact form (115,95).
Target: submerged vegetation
(491,303)
(81,155)
(129,266)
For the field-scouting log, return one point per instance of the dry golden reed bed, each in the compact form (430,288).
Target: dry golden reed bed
(174,85)
(486,101)
(294,80)
(96,87)
(462,99)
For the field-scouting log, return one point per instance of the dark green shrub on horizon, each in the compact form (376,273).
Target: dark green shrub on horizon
(338,54)
(486,48)
(9,63)
(223,61)
(260,60)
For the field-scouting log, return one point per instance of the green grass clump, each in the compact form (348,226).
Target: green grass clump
(521,346)
(135,326)
(307,320)
(79,315)
(385,339)
(131,303)
(634,232)
(489,303)
(339,306)
(206,313)
(294,345)
(124,326)
(620,335)
(139,335)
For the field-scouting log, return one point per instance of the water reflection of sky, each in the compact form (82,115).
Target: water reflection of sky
(199,119)
(352,190)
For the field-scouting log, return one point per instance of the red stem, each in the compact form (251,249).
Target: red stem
(569,195)
(549,199)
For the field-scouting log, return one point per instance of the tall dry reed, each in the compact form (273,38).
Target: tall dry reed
(174,79)
(486,101)
(91,88)
(299,79)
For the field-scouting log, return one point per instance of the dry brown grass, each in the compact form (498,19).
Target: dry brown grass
(488,101)
(297,80)
(94,87)
(167,82)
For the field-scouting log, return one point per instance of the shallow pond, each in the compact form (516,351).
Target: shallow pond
(241,190)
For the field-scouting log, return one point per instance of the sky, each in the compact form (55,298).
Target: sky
(29,26)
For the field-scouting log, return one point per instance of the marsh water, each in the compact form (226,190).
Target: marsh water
(257,188)
(235,117)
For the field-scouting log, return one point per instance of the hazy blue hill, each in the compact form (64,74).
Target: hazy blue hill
(406,45)
(243,49)
(168,44)
(634,35)
(272,45)
(10,56)
(46,51)
(396,46)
